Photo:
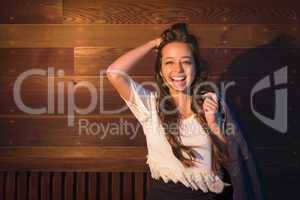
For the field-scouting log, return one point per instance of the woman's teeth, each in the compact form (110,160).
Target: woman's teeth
(178,81)
(178,78)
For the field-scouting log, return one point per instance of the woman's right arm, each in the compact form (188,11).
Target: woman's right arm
(117,71)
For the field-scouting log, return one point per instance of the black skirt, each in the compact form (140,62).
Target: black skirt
(177,191)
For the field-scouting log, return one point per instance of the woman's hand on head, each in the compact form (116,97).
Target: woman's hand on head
(156,42)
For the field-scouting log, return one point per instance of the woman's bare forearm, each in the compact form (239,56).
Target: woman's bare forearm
(129,59)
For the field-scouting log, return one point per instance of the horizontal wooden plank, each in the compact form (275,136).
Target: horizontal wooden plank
(122,159)
(74,159)
(164,12)
(109,152)
(42,82)
(258,3)
(59,132)
(14,61)
(31,11)
(34,93)
(70,165)
(91,60)
(128,36)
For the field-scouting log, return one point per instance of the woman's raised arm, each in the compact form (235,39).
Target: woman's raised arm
(117,71)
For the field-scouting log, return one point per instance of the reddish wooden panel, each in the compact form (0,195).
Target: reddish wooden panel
(93,60)
(149,181)
(31,12)
(106,159)
(80,185)
(115,186)
(2,181)
(34,186)
(104,186)
(92,186)
(128,36)
(15,61)
(8,11)
(45,185)
(69,186)
(22,186)
(139,185)
(161,12)
(36,91)
(87,131)
(21,132)
(127,186)
(57,185)
(10,185)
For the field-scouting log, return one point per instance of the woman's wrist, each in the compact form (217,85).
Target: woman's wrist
(214,126)
(155,43)
(216,129)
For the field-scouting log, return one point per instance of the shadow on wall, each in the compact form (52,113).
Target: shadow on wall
(270,71)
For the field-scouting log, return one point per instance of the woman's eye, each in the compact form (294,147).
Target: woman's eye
(167,63)
(187,62)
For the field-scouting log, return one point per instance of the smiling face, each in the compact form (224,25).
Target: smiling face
(178,66)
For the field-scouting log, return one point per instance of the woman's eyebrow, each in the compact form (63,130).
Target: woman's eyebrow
(167,58)
(173,57)
(186,57)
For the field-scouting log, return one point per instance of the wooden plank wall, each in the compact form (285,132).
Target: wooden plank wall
(74,185)
(43,158)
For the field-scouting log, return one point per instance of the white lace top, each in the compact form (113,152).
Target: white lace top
(160,158)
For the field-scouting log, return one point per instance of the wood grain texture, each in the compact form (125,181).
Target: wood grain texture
(164,12)
(46,185)
(31,11)
(56,132)
(15,61)
(80,185)
(105,191)
(57,180)
(34,186)
(127,185)
(77,159)
(22,184)
(35,92)
(92,186)
(91,61)
(69,186)
(116,186)
(150,12)
(10,192)
(139,185)
(105,187)
(128,36)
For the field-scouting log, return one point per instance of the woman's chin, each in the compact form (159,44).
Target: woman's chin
(179,88)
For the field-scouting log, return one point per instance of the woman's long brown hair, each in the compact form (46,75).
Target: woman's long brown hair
(179,32)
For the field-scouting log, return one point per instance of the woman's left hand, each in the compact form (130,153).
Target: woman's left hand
(210,107)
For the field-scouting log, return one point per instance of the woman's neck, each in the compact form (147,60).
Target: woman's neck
(183,102)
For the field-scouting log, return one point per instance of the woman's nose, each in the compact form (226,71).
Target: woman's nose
(178,67)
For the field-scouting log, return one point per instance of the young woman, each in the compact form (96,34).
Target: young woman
(187,146)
